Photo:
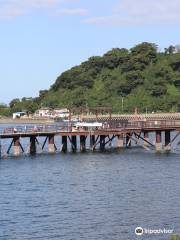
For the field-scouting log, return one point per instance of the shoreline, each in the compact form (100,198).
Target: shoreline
(26,121)
(46,121)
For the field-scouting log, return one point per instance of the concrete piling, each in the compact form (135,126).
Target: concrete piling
(146,137)
(17,148)
(51,146)
(120,141)
(158,141)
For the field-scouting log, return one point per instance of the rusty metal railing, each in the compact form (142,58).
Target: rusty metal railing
(157,124)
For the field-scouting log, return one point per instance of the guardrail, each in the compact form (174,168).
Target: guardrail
(106,126)
(147,124)
(34,129)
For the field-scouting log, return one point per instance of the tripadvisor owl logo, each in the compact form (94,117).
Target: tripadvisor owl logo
(139,231)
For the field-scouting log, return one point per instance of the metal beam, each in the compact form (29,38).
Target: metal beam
(10,147)
(144,139)
(44,143)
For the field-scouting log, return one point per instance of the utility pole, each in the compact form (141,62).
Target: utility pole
(122,105)
(146,111)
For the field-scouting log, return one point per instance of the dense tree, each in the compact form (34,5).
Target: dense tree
(14,102)
(170,50)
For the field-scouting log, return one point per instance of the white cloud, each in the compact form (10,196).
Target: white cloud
(71,12)
(14,8)
(8,11)
(106,20)
(141,12)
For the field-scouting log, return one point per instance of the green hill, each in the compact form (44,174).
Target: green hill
(140,78)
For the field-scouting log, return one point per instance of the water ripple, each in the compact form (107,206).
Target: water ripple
(88,196)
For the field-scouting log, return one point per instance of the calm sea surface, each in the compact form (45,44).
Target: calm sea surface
(89,196)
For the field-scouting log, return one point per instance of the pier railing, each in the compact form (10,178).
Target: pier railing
(153,124)
(35,129)
(145,124)
(106,126)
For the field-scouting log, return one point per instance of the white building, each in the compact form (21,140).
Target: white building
(18,114)
(61,113)
(46,112)
(43,112)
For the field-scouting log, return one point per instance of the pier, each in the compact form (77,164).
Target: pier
(81,138)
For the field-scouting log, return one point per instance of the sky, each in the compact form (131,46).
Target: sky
(39,39)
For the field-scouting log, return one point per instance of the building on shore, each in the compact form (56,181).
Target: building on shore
(19,115)
(43,112)
(61,113)
(46,112)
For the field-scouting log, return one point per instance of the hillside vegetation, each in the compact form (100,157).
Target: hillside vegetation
(141,78)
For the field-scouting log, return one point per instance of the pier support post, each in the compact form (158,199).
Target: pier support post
(167,140)
(74,143)
(120,141)
(128,140)
(82,143)
(64,144)
(32,145)
(17,148)
(92,142)
(51,146)
(146,137)
(102,142)
(158,141)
